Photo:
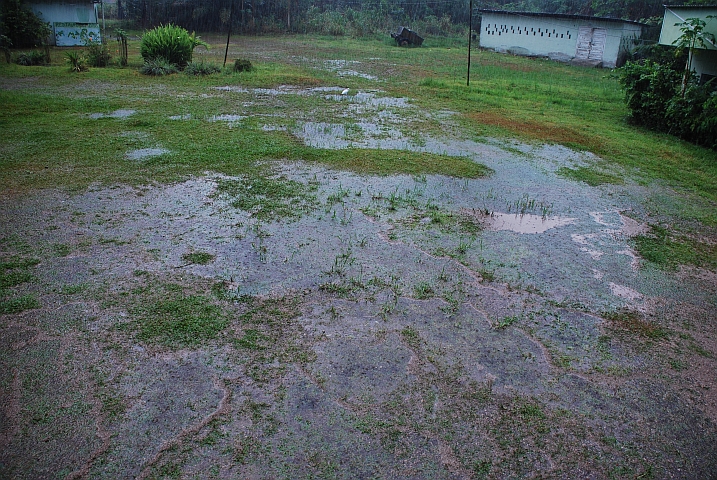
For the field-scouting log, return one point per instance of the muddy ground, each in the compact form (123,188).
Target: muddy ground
(324,324)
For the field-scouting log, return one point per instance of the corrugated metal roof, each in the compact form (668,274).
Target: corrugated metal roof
(690,6)
(559,15)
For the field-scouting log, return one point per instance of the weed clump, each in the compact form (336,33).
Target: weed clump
(158,67)
(242,65)
(18,304)
(98,54)
(198,258)
(201,68)
(179,320)
(631,321)
(29,59)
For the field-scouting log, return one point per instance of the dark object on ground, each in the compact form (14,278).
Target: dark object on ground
(406,37)
(241,65)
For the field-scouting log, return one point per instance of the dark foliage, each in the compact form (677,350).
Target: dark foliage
(98,54)
(652,93)
(21,26)
(241,65)
(158,67)
(30,59)
(201,68)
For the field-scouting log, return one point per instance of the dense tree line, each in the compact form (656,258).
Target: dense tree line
(298,15)
(257,16)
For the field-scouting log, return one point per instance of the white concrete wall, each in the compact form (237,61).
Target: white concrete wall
(542,36)
(65,12)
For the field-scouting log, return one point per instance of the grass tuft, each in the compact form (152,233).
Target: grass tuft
(18,304)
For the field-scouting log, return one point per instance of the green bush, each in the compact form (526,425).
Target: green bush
(21,26)
(201,68)
(29,59)
(5,44)
(98,54)
(694,116)
(158,67)
(170,42)
(652,93)
(241,65)
(648,88)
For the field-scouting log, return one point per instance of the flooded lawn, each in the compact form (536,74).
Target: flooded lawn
(314,322)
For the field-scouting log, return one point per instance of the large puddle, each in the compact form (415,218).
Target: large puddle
(524,223)
(433,327)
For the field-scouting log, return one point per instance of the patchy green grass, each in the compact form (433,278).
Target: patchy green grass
(198,258)
(591,176)
(634,322)
(268,198)
(178,320)
(15,271)
(668,249)
(18,304)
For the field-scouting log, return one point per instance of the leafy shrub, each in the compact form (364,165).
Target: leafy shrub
(201,68)
(663,54)
(5,44)
(29,59)
(21,26)
(241,65)
(694,116)
(170,42)
(158,67)
(98,54)
(648,89)
(652,93)
(76,60)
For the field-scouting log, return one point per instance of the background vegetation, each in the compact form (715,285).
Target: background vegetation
(342,17)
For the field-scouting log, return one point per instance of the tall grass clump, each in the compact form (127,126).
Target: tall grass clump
(201,68)
(170,42)
(29,59)
(158,67)
(97,53)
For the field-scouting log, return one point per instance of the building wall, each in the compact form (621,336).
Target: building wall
(65,12)
(671,32)
(543,36)
(71,23)
(704,61)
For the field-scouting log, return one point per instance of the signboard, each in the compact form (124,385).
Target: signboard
(70,34)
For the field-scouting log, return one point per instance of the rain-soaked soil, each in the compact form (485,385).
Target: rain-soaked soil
(357,326)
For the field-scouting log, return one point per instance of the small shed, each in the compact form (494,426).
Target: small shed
(704,60)
(71,23)
(581,39)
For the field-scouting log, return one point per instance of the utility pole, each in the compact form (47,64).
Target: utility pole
(470,37)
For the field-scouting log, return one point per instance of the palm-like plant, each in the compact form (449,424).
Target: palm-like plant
(693,36)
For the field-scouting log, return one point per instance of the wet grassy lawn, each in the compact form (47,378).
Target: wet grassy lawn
(251,275)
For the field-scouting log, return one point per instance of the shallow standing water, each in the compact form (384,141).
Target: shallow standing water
(391,327)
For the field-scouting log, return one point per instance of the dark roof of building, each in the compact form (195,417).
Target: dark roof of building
(559,15)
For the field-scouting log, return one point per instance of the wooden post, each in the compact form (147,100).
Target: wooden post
(470,37)
(229,34)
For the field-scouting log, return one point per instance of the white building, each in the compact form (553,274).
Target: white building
(581,39)
(71,23)
(704,60)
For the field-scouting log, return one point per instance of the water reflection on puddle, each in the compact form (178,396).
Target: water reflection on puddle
(525,223)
